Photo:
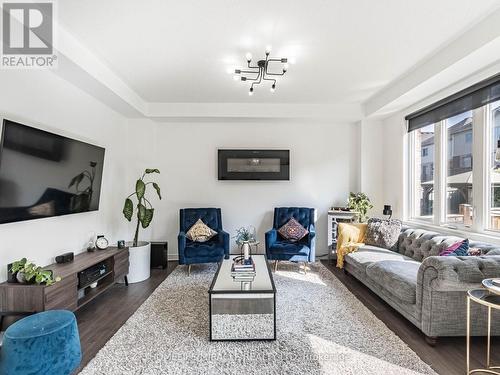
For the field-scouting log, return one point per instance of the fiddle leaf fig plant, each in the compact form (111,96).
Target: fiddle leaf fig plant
(360,203)
(144,209)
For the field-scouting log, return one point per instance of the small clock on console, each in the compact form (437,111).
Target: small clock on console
(101,243)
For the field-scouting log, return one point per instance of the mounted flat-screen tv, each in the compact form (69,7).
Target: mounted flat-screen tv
(240,164)
(43,174)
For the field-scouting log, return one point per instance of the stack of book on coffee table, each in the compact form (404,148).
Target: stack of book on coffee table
(243,270)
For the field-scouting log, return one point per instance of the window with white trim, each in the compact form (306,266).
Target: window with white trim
(454,171)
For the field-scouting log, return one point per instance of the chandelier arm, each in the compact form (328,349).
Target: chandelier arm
(275,74)
(249,72)
(252,67)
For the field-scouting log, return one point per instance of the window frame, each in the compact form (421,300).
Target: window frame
(481,181)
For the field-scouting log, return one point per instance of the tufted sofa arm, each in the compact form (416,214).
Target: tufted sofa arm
(459,273)
(442,282)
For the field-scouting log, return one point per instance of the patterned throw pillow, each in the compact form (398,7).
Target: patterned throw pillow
(383,233)
(293,231)
(460,248)
(200,232)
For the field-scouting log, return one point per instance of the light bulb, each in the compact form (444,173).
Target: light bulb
(285,67)
(273,88)
(229,71)
(268,49)
(248,56)
(236,78)
(250,93)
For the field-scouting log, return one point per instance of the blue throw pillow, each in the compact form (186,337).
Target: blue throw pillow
(462,250)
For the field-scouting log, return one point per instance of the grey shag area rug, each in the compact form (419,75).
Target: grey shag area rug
(321,329)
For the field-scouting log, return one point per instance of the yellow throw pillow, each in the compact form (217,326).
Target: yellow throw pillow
(350,233)
(200,232)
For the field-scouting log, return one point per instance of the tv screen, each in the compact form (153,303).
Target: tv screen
(44,174)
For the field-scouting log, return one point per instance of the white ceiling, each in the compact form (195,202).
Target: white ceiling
(344,51)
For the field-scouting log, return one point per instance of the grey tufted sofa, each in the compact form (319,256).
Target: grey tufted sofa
(429,290)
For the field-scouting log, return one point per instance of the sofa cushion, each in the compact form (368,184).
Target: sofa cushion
(398,277)
(290,248)
(383,233)
(203,249)
(367,255)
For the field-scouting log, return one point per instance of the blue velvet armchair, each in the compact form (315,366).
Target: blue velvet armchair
(278,248)
(214,250)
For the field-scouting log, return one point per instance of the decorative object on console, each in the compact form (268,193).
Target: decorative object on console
(388,211)
(101,242)
(91,243)
(65,258)
(293,231)
(121,244)
(265,70)
(200,232)
(360,203)
(29,273)
(383,233)
(242,164)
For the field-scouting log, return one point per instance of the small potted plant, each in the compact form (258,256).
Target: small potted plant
(140,250)
(244,237)
(360,203)
(29,273)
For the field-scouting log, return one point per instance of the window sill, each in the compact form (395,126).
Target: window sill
(490,237)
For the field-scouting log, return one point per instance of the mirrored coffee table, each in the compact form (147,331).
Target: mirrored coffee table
(243,309)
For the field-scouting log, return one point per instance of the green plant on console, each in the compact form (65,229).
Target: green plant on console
(144,207)
(360,203)
(33,273)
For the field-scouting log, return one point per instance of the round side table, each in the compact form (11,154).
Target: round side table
(491,300)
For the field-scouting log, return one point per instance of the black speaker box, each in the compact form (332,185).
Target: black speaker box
(65,258)
(159,254)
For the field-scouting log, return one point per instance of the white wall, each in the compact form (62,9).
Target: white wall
(324,168)
(372,165)
(40,98)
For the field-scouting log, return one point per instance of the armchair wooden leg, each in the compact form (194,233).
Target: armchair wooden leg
(275,265)
(189,270)
(305,268)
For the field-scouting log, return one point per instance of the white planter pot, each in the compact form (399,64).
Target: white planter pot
(140,262)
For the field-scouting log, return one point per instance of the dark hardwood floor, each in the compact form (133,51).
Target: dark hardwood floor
(447,357)
(99,320)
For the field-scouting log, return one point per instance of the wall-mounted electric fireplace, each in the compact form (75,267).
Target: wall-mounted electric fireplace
(254,164)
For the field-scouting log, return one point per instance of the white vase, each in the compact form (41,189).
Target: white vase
(140,262)
(246,250)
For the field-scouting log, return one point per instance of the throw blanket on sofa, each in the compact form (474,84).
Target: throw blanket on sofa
(350,238)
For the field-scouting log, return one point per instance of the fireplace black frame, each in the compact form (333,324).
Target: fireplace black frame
(282,155)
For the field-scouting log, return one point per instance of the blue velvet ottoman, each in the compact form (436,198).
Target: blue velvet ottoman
(43,343)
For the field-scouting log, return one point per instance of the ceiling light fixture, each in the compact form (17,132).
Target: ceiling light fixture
(263,70)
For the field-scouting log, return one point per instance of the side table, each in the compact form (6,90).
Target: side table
(491,300)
